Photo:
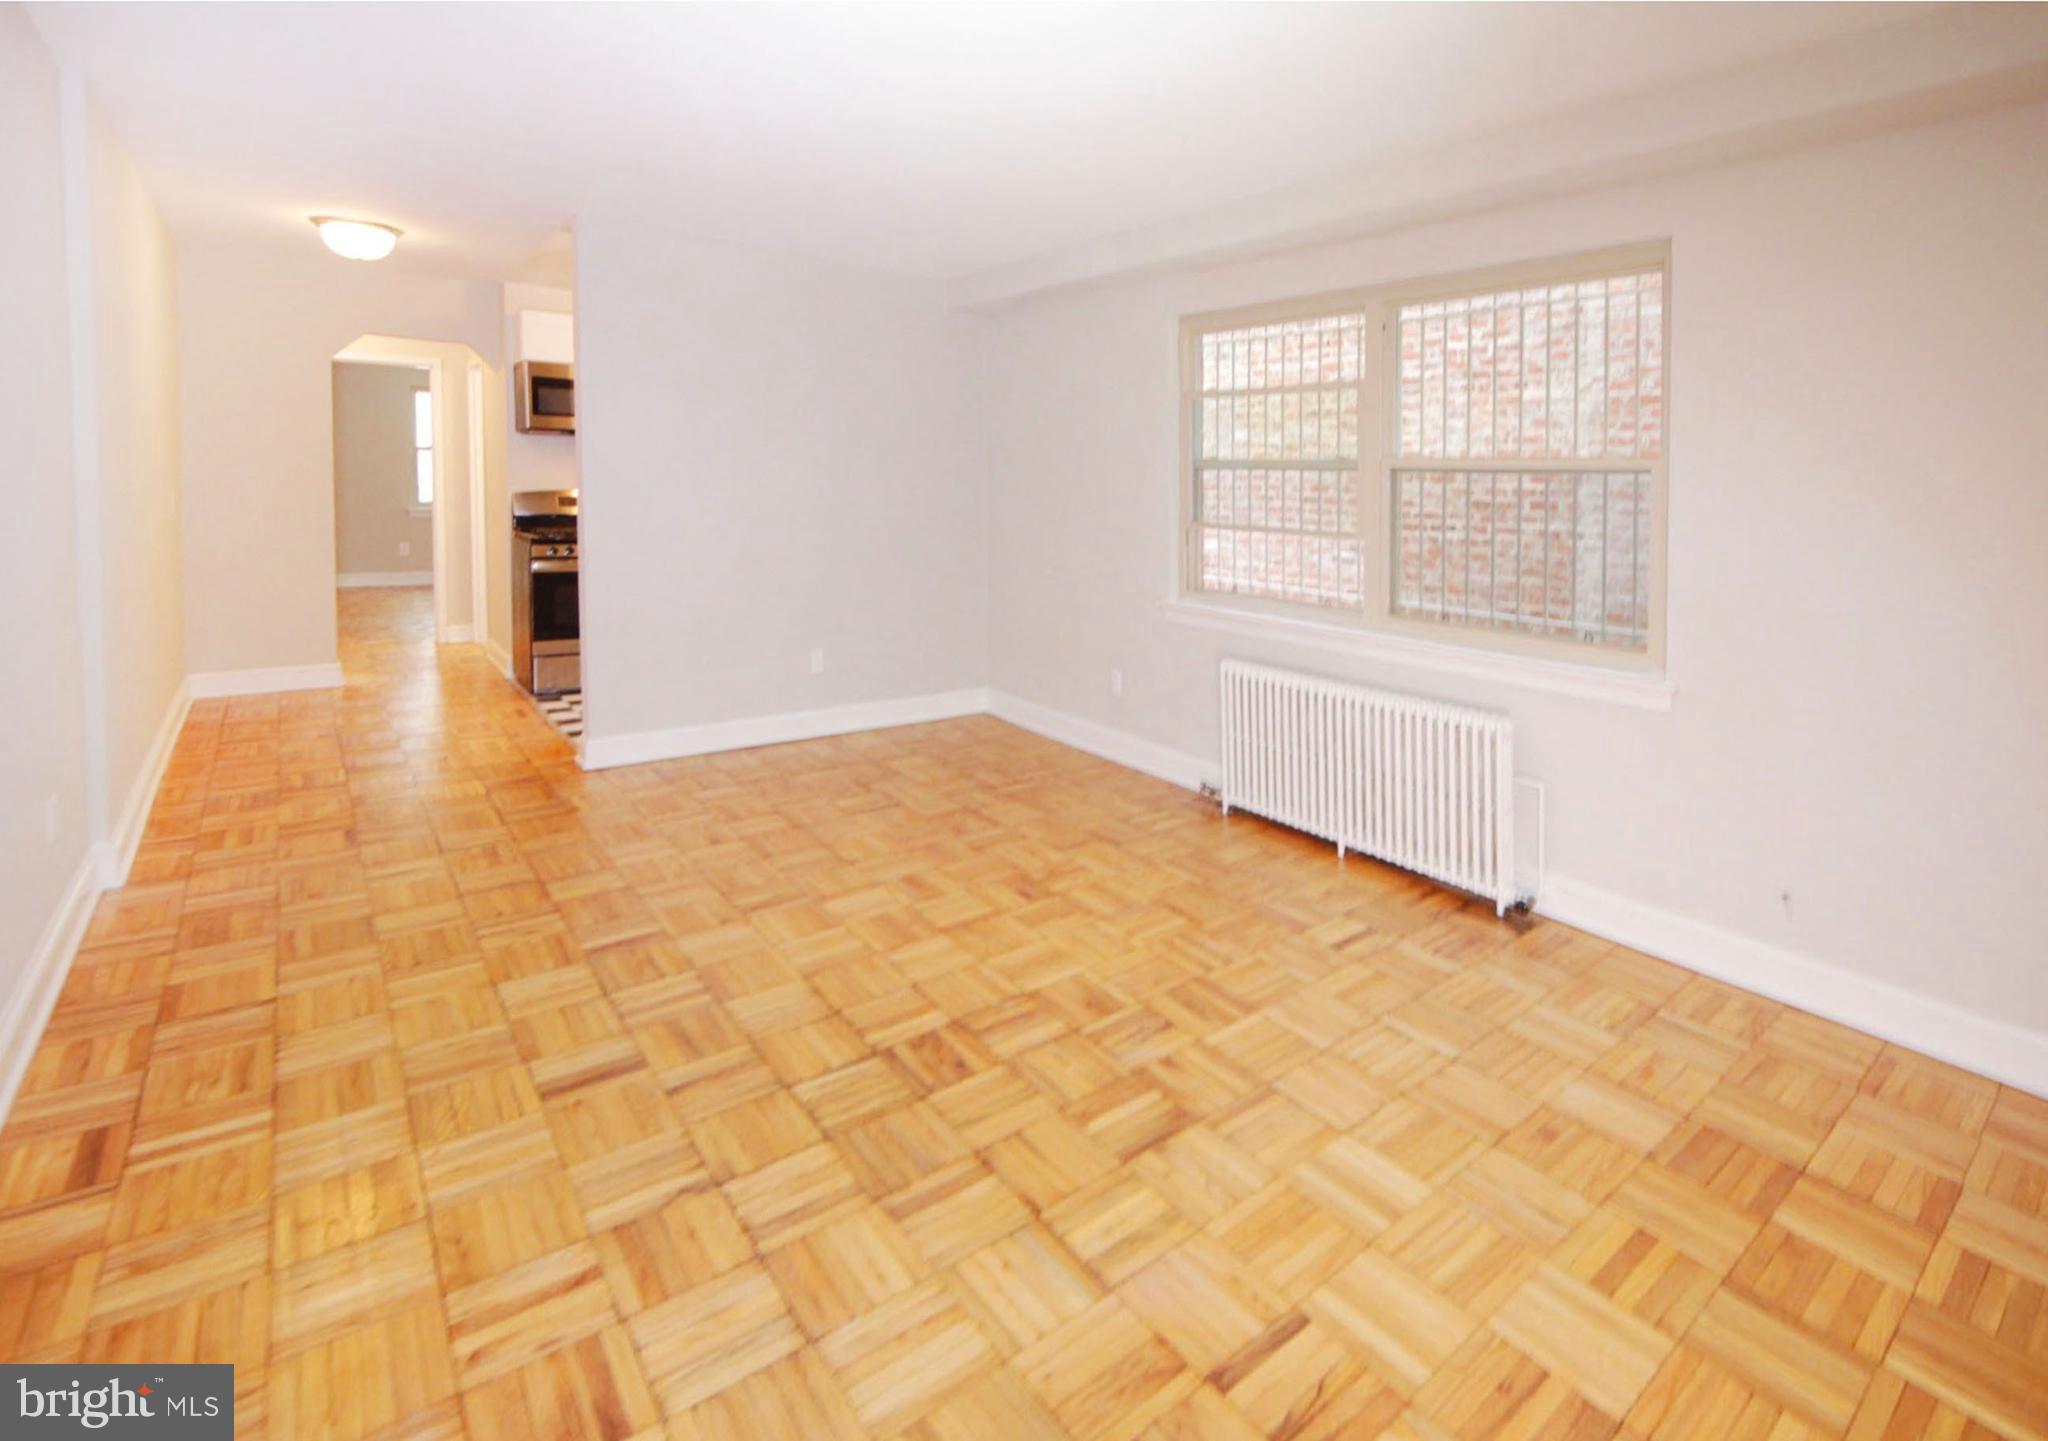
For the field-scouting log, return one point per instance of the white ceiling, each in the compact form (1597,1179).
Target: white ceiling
(940,140)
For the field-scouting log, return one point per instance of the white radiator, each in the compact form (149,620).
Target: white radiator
(1419,783)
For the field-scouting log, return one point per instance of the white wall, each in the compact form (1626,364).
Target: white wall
(1859,597)
(258,329)
(376,508)
(779,459)
(135,413)
(88,309)
(43,763)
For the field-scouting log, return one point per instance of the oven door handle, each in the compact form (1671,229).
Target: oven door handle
(551,567)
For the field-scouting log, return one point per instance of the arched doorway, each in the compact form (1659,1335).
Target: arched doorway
(409,468)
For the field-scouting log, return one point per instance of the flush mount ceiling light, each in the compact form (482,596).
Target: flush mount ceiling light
(356,239)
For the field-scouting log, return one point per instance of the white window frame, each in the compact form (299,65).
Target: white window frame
(1376,630)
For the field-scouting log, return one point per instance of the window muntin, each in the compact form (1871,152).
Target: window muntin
(1521,430)
(1277,491)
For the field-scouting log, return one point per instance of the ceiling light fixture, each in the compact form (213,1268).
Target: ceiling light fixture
(356,239)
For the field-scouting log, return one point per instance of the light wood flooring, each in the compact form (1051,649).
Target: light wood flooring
(943,1082)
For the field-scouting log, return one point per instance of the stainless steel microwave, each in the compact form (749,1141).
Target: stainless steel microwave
(547,397)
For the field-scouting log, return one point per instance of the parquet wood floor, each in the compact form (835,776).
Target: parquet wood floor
(946,1083)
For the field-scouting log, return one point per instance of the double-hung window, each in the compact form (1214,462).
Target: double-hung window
(1479,460)
(422,449)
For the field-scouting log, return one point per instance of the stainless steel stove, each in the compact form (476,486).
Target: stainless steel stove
(547,644)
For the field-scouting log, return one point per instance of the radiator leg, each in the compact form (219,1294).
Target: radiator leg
(1340,850)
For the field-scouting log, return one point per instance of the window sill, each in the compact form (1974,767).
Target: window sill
(427,509)
(1639,689)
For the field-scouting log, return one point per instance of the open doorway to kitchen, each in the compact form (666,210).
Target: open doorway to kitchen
(542,483)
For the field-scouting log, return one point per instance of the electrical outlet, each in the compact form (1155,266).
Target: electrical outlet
(817,662)
(1116,682)
(405,547)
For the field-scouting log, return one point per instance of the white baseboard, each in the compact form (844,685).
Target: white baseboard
(500,657)
(262,680)
(603,752)
(117,853)
(1934,1027)
(1927,1024)
(365,579)
(1168,764)
(457,634)
(24,1013)
(1924,1023)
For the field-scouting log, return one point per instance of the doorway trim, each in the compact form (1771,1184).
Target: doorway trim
(443,631)
(479,619)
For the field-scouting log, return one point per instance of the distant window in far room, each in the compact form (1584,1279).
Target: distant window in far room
(423,447)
